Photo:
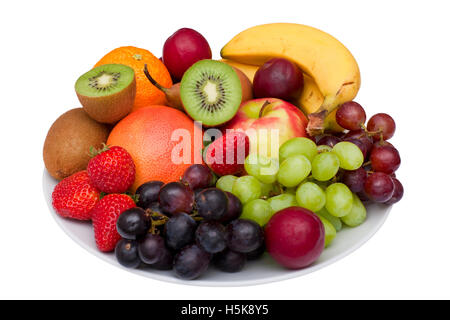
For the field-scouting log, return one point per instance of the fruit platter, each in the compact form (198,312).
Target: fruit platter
(256,167)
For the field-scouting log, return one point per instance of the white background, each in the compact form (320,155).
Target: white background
(403,51)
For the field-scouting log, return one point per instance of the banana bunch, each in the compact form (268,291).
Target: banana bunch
(331,72)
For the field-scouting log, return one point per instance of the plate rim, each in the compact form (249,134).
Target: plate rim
(290,274)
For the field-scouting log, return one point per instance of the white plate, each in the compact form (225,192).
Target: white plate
(255,272)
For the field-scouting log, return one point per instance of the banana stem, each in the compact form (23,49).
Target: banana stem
(316,120)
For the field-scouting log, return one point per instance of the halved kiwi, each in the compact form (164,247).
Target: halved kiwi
(107,92)
(211,92)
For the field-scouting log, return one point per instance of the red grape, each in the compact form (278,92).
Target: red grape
(379,187)
(381,124)
(328,140)
(355,179)
(351,116)
(385,159)
(182,49)
(277,78)
(176,197)
(198,176)
(398,192)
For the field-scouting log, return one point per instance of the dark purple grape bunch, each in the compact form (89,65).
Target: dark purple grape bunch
(187,226)
(375,180)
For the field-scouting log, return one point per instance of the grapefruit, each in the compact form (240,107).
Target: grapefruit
(162,141)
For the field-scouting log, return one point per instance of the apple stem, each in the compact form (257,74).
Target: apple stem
(266,103)
(153,81)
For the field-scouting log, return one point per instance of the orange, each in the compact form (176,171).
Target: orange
(146,93)
(148,135)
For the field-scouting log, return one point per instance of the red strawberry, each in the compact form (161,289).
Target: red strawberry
(104,219)
(75,196)
(112,170)
(227,154)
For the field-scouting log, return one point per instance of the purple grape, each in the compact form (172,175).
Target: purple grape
(176,197)
(191,262)
(234,208)
(230,261)
(151,248)
(148,193)
(198,176)
(360,144)
(328,140)
(211,236)
(257,253)
(179,231)
(127,253)
(354,179)
(212,204)
(244,235)
(133,223)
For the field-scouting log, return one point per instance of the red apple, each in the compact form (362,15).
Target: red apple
(269,122)
(295,237)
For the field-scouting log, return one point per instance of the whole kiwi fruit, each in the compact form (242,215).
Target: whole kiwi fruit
(66,147)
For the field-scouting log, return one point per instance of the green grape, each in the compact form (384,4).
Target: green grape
(357,215)
(324,148)
(336,222)
(350,156)
(296,146)
(310,196)
(325,166)
(330,231)
(257,210)
(293,170)
(247,188)
(282,201)
(225,183)
(266,189)
(263,168)
(339,199)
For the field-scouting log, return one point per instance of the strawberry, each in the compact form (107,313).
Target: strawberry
(104,219)
(112,169)
(226,155)
(75,196)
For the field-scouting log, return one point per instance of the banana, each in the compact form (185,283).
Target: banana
(309,101)
(327,61)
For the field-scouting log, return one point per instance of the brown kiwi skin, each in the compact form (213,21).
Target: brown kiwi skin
(66,147)
(110,109)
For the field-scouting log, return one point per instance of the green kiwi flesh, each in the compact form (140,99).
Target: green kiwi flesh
(104,80)
(211,92)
